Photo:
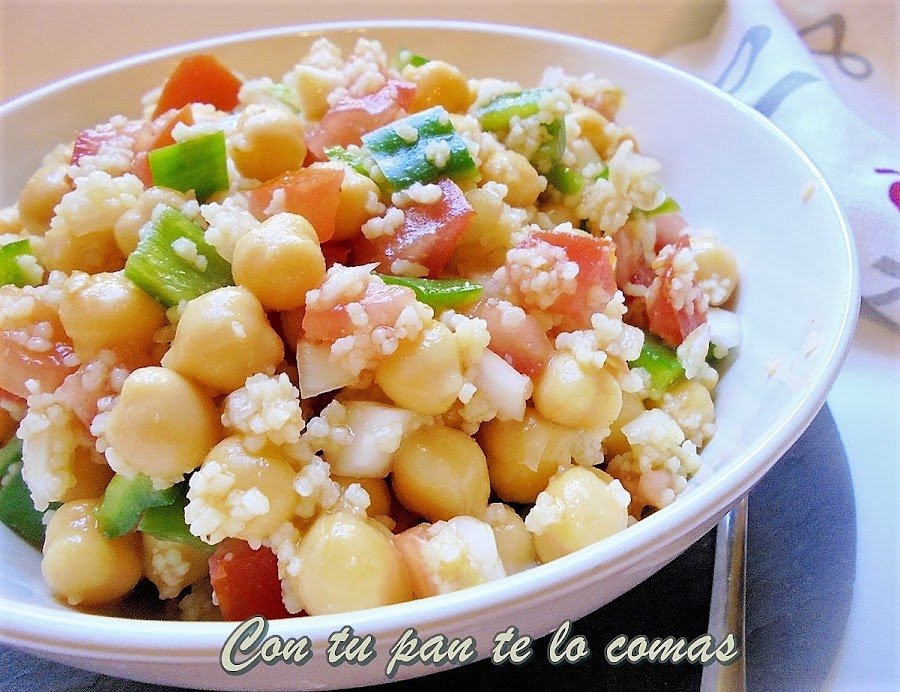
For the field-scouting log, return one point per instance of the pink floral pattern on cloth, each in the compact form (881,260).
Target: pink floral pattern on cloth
(894,189)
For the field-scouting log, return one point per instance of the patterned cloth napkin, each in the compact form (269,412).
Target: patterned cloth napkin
(799,75)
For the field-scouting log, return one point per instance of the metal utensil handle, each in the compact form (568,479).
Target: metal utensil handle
(727,601)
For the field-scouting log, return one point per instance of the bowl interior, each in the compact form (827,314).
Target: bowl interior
(729,169)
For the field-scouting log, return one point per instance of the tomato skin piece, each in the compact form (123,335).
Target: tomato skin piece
(672,325)
(524,345)
(313,193)
(11,399)
(246,581)
(348,120)
(429,235)
(199,79)
(596,260)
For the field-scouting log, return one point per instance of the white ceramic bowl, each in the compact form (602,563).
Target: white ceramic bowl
(729,168)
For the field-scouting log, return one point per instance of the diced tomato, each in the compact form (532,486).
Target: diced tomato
(429,235)
(348,120)
(668,229)
(636,314)
(199,79)
(523,344)
(246,581)
(18,364)
(160,135)
(671,324)
(336,253)
(596,280)
(632,266)
(22,360)
(313,193)
(122,135)
(82,397)
(382,302)
(291,323)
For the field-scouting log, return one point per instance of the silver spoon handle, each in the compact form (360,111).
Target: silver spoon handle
(727,602)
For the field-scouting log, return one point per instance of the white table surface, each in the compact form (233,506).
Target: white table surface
(41,40)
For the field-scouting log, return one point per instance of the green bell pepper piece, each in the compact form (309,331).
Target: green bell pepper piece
(439,293)
(166,522)
(16,508)
(197,164)
(166,276)
(11,269)
(668,206)
(660,361)
(405,162)
(125,500)
(497,113)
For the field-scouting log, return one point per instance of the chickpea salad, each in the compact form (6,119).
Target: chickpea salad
(376,331)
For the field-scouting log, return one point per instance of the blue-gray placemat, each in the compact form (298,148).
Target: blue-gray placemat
(800,572)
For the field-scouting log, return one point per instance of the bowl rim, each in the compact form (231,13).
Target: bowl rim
(67,631)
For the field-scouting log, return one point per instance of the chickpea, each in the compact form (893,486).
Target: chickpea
(349,563)
(313,86)
(81,564)
(576,395)
(81,236)
(559,212)
(440,473)
(229,476)
(11,221)
(279,261)
(222,338)
(172,567)
(268,141)
(354,201)
(42,192)
(127,227)
(92,252)
(690,405)
(632,407)
(715,262)
(595,129)
(514,542)
(513,170)
(523,455)
(591,511)
(107,311)
(377,488)
(484,244)
(423,375)
(438,84)
(92,475)
(163,424)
